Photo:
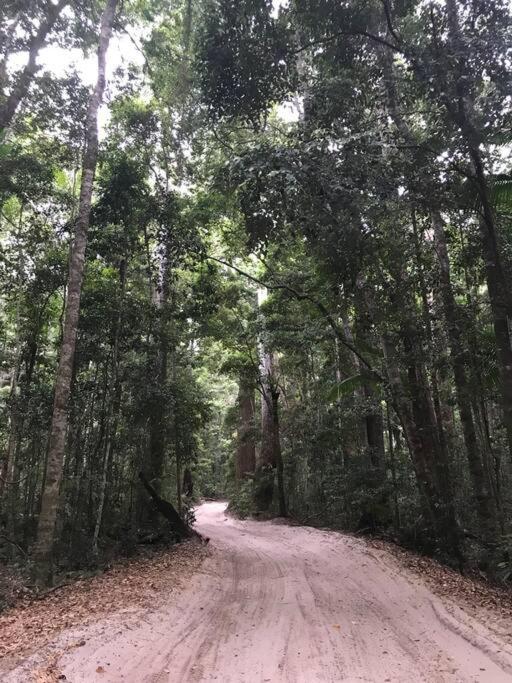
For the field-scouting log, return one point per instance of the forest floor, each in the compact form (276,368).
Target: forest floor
(271,602)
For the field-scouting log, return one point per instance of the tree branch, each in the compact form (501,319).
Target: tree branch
(391,29)
(304,296)
(364,34)
(24,81)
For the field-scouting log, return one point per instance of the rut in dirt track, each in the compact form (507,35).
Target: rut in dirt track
(279,603)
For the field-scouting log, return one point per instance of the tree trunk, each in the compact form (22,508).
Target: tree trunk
(188,483)
(270,460)
(20,89)
(114,409)
(434,364)
(415,412)
(266,465)
(360,432)
(178,482)
(7,470)
(266,460)
(7,42)
(373,425)
(375,432)
(485,505)
(245,458)
(167,510)
(42,553)
(158,418)
(427,446)
(460,109)
(392,462)
(278,454)
(6,475)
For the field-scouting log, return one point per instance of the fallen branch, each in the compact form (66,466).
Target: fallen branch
(167,510)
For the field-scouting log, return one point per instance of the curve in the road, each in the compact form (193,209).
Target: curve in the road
(277,603)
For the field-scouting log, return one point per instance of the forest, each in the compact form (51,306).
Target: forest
(256,251)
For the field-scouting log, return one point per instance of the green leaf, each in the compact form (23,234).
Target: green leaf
(5,149)
(501,194)
(348,386)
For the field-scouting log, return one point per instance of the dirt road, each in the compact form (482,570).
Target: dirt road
(278,603)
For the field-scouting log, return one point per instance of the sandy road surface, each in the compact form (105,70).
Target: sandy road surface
(277,603)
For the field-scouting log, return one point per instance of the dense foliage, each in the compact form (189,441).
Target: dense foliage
(296,285)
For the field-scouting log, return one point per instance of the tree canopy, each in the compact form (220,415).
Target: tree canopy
(266,257)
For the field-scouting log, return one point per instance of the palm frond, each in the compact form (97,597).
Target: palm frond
(501,194)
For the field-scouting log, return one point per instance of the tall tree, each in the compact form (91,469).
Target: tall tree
(270,461)
(42,552)
(20,87)
(245,458)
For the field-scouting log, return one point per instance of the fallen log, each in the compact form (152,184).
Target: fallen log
(168,511)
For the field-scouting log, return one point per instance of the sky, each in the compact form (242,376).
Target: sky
(122,51)
(59,61)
